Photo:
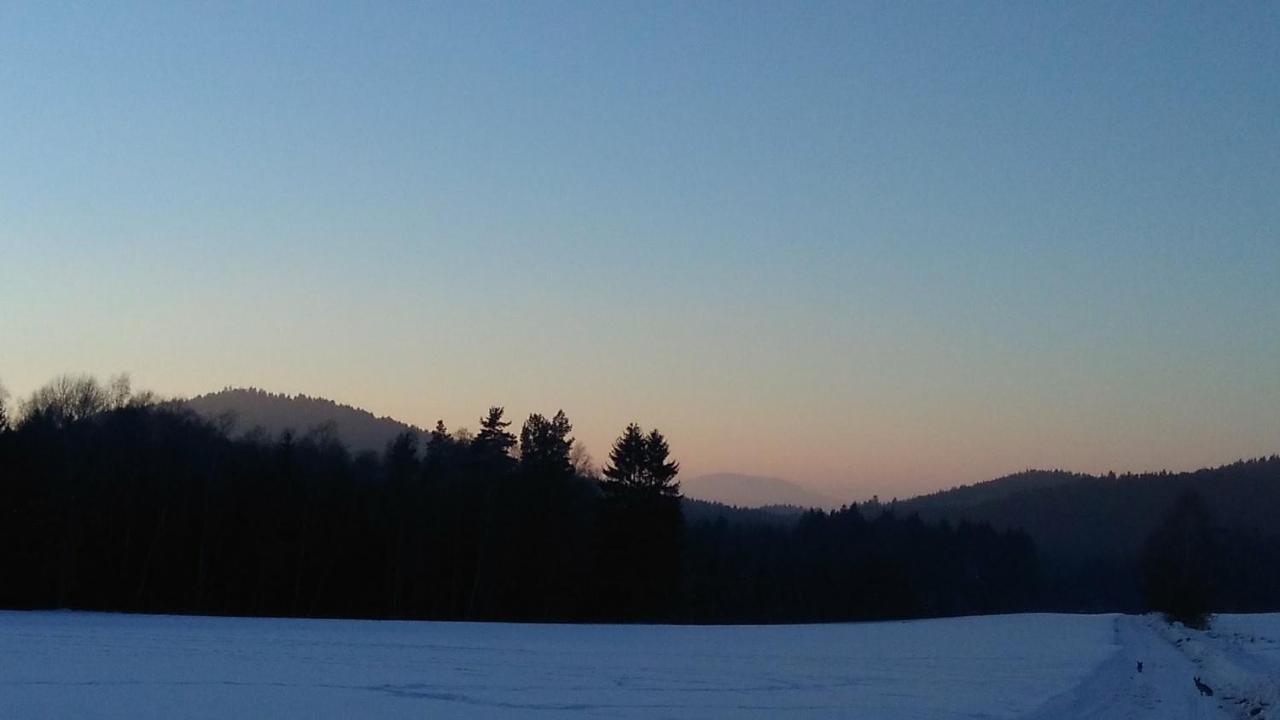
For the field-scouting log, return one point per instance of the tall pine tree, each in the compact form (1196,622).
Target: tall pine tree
(643,528)
(494,441)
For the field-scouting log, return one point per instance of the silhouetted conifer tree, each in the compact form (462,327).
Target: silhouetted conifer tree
(439,438)
(659,473)
(493,440)
(625,470)
(643,526)
(638,465)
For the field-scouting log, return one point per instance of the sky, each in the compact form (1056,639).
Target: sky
(868,247)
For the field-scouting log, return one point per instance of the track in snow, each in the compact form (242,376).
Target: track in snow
(1244,684)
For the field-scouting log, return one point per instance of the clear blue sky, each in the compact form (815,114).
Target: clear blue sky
(869,247)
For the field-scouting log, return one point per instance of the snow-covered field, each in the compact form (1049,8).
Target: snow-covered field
(63,664)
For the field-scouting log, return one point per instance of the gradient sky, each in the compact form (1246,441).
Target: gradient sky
(868,247)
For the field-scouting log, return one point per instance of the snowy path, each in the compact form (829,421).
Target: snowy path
(1232,665)
(1042,667)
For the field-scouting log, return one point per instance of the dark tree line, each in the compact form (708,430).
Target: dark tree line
(842,565)
(113,501)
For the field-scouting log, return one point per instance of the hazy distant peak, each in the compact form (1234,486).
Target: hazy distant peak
(752,491)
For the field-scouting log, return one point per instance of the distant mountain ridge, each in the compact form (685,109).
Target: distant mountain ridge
(1095,515)
(752,491)
(249,408)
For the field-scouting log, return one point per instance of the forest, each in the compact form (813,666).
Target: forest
(114,500)
(1099,536)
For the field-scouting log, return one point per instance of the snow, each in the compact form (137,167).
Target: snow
(1238,661)
(1240,658)
(70,664)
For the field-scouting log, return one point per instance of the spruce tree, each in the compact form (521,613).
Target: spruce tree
(493,438)
(643,527)
(660,473)
(638,464)
(625,470)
